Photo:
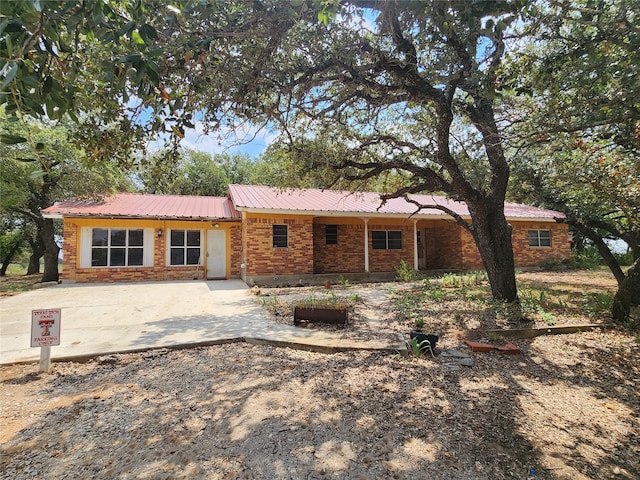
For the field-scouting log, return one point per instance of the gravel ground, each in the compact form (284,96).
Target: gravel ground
(567,407)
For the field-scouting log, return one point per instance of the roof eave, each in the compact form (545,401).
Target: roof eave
(534,219)
(139,217)
(334,213)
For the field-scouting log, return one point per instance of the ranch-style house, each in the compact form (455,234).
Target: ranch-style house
(272,236)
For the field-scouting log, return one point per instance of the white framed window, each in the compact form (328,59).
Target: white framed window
(386,239)
(280,236)
(116,247)
(185,247)
(539,238)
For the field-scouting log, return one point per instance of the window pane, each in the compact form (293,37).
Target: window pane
(117,257)
(177,256)
(545,238)
(99,237)
(136,238)
(395,240)
(533,238)
(99,257)
(193,238)
(280,236)
(118,237)
(177,238)
(379,239)
(135,256)
(193,256)
(331,234)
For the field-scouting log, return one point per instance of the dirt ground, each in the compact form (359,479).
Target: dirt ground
(567,407)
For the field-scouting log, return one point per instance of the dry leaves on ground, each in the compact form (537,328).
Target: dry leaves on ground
(567,407)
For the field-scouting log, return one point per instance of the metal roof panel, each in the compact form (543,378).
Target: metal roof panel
(148,206)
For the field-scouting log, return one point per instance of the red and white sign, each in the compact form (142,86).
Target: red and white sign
(45,327)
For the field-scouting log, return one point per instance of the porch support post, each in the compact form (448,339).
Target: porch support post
(366,244)
(415,245)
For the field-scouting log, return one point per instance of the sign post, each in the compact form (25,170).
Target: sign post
(45,333)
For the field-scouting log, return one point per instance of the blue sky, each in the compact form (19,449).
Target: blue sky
(246,139)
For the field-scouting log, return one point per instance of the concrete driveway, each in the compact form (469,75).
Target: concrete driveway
(109,318)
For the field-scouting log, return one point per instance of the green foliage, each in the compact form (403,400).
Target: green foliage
(453,280)
(325,300)
(624,259)
(588,259)
(46,168)
(270,302)
(576,117)
(355,298)
(405,272)
(417,348)
(597,303)
(437,294)
(532,303)
(190,172)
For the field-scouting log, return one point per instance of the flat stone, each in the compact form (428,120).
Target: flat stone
(454,353)
(466,362)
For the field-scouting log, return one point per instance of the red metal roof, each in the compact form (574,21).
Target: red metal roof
(148,206)
(314,201)
(273,200)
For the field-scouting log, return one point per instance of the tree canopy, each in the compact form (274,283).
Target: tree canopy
(407,96)
(576,124)
(45,168)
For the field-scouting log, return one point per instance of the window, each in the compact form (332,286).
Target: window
(386,240)
(117,247)
(539,238)
(184,247)
(331,234)
(280,236)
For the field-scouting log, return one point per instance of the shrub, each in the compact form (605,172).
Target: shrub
(405,272)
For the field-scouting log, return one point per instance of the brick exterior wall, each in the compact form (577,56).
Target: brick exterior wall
(451,247)
(389,260)
(527,256)
(236,250)
(261,258)
(72,272)
(69,251)
(470,258)
(444,246)
(345,257)
(448,246)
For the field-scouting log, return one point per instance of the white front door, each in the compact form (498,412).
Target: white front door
(216,254)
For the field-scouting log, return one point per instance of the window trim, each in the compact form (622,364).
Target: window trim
(277,238)
(185,247)
(86,246)
(388,245)
(331,238)
(537,240)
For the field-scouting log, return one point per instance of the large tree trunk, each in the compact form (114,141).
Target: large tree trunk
(628,294)
(7,257)
(37,251)
(492,234)
(51,251)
